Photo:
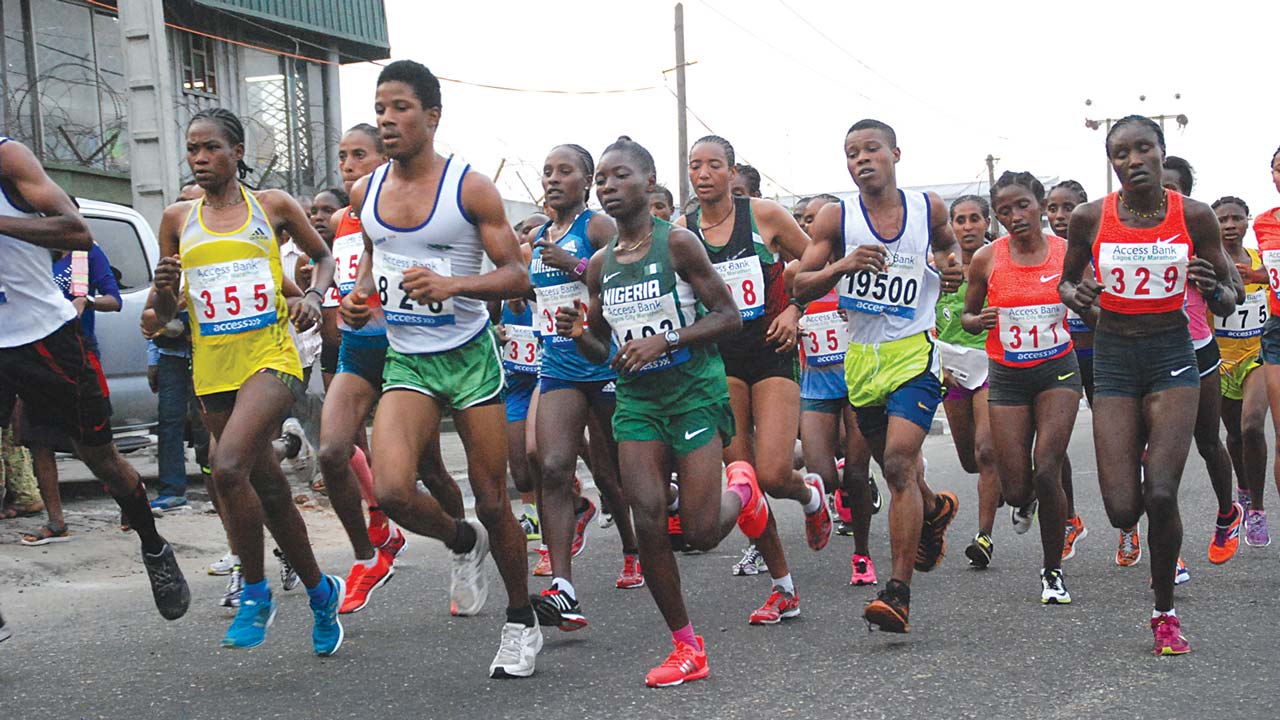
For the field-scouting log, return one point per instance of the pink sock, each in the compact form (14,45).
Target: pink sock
(685,635)
(360,466)
(744,492)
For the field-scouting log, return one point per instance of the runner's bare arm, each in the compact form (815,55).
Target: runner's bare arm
(977,319)
(782,234)
(168,273)
(946,251)
(1076,290)
(592,340)
(690,261)
(822,264)
(1213,273)
(59,224)
(510,278)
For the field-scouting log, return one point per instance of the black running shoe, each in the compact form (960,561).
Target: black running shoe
(891,608)
(933,535)
(558,609)
(5,632)
(980,550)
(876,500)
(168,586)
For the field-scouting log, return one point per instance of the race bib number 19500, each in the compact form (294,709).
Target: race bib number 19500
(896,291)
(397,306)
(232,297)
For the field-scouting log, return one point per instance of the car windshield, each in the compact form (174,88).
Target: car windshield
(120,241)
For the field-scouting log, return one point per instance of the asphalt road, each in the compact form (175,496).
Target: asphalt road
(981,644)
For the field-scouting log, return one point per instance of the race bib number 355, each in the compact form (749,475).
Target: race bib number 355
(232,297)
(1033,332)
(1139,271)
(824,338)
(397,306)
(896,291)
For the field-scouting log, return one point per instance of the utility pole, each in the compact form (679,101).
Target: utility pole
(682,123)
(991,183)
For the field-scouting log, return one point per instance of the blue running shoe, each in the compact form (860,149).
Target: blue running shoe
(326,634)
(249,628)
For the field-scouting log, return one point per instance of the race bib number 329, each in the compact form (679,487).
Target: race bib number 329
(1141,271)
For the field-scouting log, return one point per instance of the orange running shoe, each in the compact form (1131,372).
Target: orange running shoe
(780,606)
(754,516)
(685,664)
(1168,634)
(363,581)
(933,534)
(817,526)
(1226,540)
(543,567)
(631,577)
(891,608)
(1075,532)
(1130,551)
(396,543)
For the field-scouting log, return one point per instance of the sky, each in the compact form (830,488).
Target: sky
(784,79)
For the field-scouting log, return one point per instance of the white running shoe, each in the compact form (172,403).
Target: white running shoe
(605,520)
(224,566)
(304,465)
(288,576)
(468,585)
(518,651)
(1023,516)
(1053,589)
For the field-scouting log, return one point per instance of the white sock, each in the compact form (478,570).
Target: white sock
(815,501)
(564,586)
(368,564)
(1156,613)
(786,583)
(531,511)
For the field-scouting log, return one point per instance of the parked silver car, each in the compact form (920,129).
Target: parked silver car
(133,252)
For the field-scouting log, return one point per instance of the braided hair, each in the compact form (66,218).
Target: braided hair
(338,194)
(586,162)
(232,129)
(1142,120)
(728,147)
(1232,200)
(635,151)
(373,134)
(1023,179)
(1186,176)
(1075,187)
(984,205)
(752,176)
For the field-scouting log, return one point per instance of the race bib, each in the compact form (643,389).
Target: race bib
(1033,332)
(1076,324)
(346,256)
(232,297)
(1271,261)
(966,364)
(824,337)
(522,352)
(1246,321)
(896,291)
(332,298)
(552,298)
(1137,271)
(643,318)
(397,306)
(745,280)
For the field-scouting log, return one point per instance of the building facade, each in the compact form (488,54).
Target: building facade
(102,90)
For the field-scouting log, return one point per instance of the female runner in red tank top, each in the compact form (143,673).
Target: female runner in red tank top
(1142,240)
(1034,375)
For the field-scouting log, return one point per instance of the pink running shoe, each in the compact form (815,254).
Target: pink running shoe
(864,571)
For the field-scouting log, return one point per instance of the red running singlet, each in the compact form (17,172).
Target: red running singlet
(1032,325)
(1142,270)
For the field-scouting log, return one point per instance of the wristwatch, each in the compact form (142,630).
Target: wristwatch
(673,339)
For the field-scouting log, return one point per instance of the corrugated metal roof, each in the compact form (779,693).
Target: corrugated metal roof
(356,21)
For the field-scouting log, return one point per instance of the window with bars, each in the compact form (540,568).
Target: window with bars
(199,74)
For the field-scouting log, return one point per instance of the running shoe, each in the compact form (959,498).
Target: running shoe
(1130,552)
(5,632)
(1255,528)
(249,628)
(168,503)
(517,651)
(326,630)
(532,532)
(235,588)
(674,532)
(685,664)
(364,580)
(468,585)
(379,529)
(288,576)
(891,608)
(817,525)
(1180,574)
(395,543)
(844,529)
(933,535)
(876,499)
(1168,634)
(303,464)
(750,563)
(542,568)
(1023,516)
(1226,540)
(631,577)
(168,586)
(1075,532)
(605,521)
(1245,498)
(1053,589)
(864,571)
(980,550)
(224,565)
(754,516)
(583,519)
(840,506)
(556,608)
(781,605)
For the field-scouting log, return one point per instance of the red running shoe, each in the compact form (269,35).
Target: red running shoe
(754,516)
(780,606)
(363,581)
(817,526)
(583,519)
(631,577)
(685,664)
(542,568)
(396,543)
(1168,632)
